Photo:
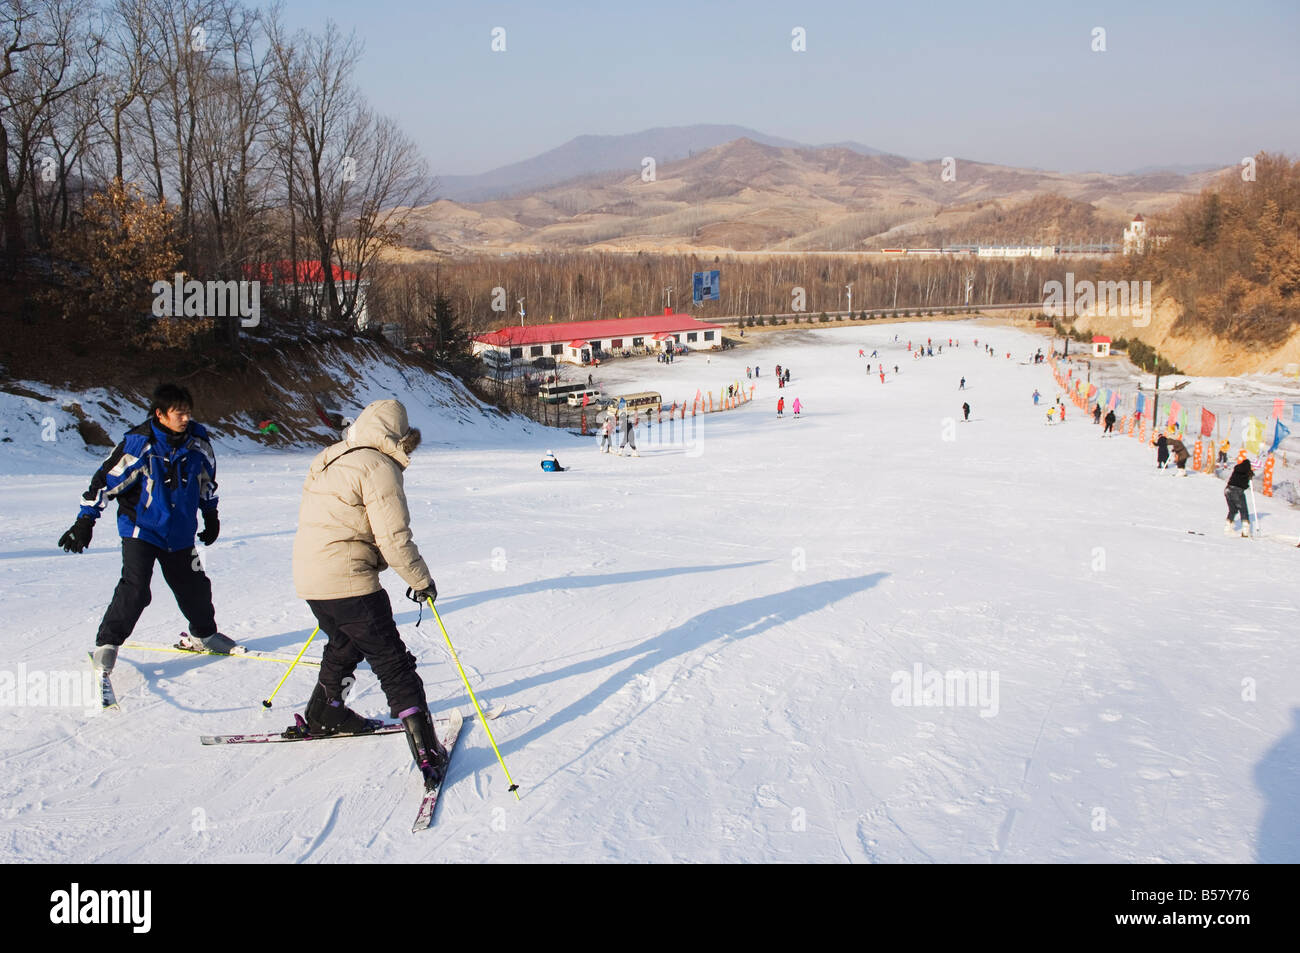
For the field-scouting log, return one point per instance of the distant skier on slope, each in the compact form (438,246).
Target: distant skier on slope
(1096,413)
(163,477)
(1110,421)
(780,406)
(1162,450)
(965,410)
(354,523)
(1235,494)
(1179,450)
(629,434)
(962,385)
(1036,396)
(606,434)
(796,406)
(550,464)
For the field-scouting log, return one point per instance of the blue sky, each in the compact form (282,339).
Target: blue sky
(1014,82)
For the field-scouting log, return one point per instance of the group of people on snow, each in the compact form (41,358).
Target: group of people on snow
(611,426)
(1168,447)
(353,522)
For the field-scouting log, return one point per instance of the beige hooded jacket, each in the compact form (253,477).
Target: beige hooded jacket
(354,522)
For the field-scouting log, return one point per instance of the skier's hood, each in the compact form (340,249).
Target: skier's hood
(381,426)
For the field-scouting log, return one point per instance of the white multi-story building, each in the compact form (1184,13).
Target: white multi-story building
(1135,236)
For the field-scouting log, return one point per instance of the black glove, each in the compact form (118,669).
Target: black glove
(211,528)
(78,538)
(422,594)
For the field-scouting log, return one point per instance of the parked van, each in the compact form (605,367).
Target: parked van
(558,393)
(575,400)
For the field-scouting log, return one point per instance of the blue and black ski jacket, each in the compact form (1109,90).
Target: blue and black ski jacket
(161,482)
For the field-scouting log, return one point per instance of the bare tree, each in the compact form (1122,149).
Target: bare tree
(46,54)
(323,124)
(352,176)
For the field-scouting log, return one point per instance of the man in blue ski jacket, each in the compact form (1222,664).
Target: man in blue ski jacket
(163,476)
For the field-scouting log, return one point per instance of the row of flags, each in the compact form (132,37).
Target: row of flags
(1255,433)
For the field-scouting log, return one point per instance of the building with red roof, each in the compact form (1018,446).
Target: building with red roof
(1100,345)
(582,342)
(285,278)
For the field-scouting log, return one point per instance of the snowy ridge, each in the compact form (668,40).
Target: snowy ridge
(39,433)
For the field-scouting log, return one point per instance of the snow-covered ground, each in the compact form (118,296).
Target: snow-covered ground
(708,653)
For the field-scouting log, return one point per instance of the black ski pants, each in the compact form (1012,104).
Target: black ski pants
(362,628)
(1236,498)
(184,575)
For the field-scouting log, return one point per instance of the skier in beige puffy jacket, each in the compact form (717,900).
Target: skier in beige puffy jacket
(353,524)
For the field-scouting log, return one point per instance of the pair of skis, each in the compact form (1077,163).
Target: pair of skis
(449,728)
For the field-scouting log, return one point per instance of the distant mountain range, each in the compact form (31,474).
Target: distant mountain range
(720,188)
(588,155)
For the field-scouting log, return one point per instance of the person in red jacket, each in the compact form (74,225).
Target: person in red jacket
(780,406)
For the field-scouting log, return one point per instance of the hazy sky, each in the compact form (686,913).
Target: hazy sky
(1010,82)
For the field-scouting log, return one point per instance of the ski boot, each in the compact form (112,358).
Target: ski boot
(1229,529)
(218,643)
(329,716)
(429,754)
(104,658)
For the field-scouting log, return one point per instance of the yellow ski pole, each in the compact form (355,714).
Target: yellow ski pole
(266,702)
(482,721)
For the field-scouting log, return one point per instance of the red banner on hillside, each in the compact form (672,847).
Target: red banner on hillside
(1207,423)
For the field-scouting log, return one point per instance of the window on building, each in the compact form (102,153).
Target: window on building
(616,343)
(516,352)
(535,351)
(557,348)
(637,342)
(708,335)
(691,336)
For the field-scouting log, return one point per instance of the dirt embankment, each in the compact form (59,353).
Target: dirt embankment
(1197,354)
(296,385)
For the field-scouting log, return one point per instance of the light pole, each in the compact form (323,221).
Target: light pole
(849,287)
(669,293)
(521,312)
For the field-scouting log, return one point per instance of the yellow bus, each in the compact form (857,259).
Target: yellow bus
(646,401)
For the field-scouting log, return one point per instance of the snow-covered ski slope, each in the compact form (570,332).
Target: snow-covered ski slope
(705,653)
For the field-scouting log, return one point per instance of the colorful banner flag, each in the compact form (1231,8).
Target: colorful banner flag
(1092,391)
(1114,400)
(1252,435)
(1183,421)
(1295,413)
(1173,412)
(1141,403)
(1278,406)
(1280,433)
(1207,423)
